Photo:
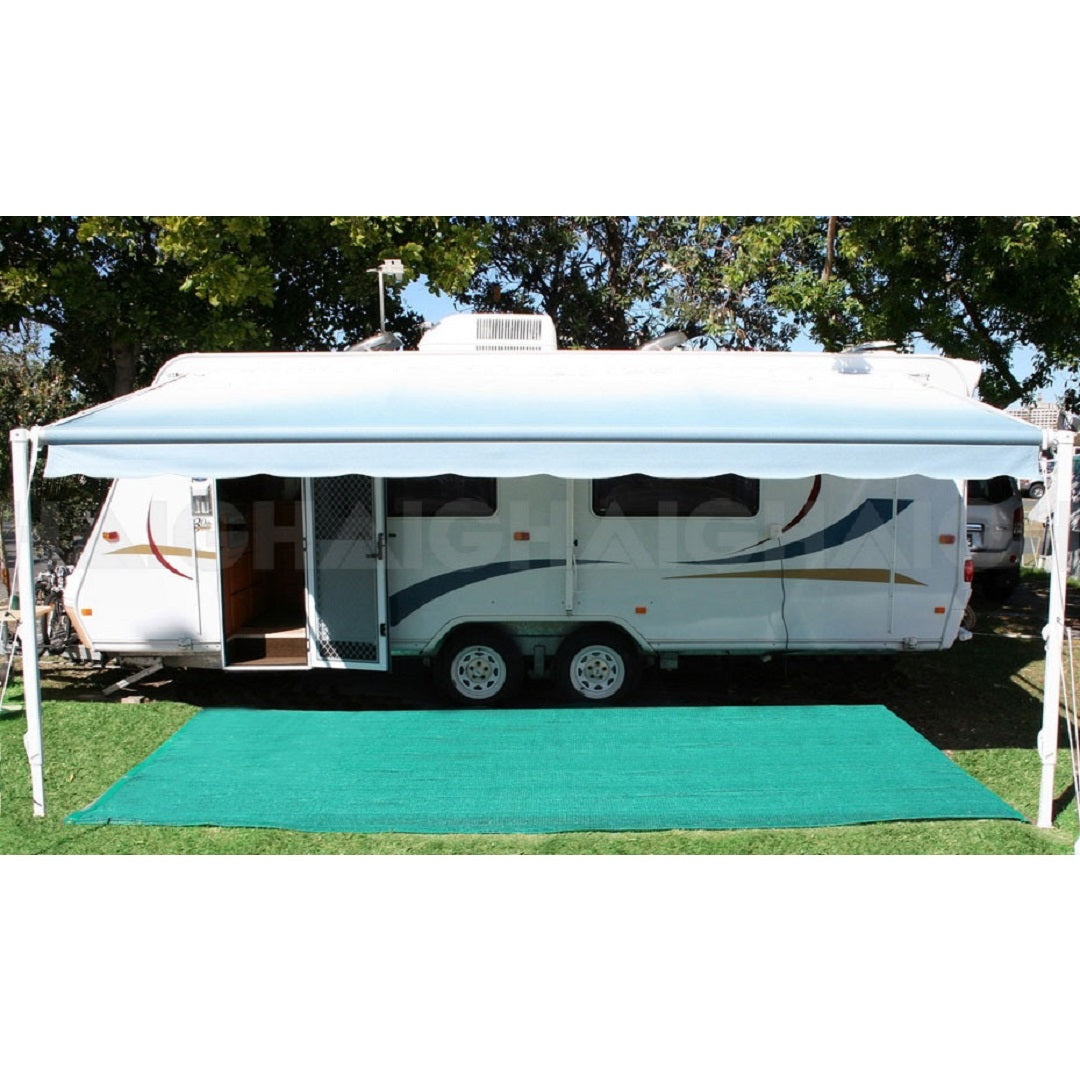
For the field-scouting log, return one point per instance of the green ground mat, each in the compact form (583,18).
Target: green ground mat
(544,771)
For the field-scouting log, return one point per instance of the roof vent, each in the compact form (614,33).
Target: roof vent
(673,339)
(384,341)
(472,333)
(872,346)
(851,363)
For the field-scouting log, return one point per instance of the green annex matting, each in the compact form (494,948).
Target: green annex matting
(544,771)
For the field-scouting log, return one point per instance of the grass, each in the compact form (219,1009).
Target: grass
(979,702)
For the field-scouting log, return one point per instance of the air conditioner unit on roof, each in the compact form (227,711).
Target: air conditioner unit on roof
(473,333)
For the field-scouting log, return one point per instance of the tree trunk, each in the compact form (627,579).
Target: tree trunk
(830,247)
(124,357)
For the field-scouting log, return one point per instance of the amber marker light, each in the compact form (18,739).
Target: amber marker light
(110,537)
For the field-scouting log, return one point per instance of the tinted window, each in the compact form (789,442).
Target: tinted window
(638,495)
(447,495)
(997,489)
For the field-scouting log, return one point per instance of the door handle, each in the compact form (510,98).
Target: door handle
(380,548)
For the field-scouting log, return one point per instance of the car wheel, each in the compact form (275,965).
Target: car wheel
(479,666)
(1036,491)
(597,665)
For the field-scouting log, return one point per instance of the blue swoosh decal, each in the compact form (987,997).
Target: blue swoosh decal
(870,515)
(408,600)
(865,518)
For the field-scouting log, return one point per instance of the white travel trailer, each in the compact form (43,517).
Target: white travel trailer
(503,509)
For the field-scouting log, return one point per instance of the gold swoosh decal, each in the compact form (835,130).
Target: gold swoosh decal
(144,549)
(877,577)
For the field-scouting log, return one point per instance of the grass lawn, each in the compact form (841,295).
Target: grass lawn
(979,702)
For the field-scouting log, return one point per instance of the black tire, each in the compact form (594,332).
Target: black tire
(1036,491)
(479,665)
(597,665)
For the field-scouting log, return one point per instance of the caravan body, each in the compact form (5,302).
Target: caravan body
(581,574)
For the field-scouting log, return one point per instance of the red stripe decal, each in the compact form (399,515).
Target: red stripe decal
(156,552)
(815,491)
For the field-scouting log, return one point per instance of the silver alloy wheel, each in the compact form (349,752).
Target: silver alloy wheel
(478,672)
(597,672)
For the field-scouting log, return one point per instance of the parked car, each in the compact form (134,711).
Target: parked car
(995,531)
(1035,487)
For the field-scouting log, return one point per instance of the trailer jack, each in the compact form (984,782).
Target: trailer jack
(123,684)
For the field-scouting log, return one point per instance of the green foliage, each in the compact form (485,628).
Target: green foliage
(122,294)
(713,288)
(36,389)
(444,250)
(601,279)
(616,282)
(976,287)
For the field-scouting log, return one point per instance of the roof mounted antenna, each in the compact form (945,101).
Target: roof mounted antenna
(391,268)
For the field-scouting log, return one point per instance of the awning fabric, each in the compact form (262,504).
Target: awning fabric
(569,414)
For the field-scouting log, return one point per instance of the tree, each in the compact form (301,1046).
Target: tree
(586,273)
(616,282)
(703,294)
(122,294)
(35,389)
(981,288)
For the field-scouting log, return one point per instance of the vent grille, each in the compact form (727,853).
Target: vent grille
(468,332)
(514,333)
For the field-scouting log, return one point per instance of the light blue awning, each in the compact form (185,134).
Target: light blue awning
(570,414)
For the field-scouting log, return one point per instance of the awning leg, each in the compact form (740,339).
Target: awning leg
(24,561)
(1054,634)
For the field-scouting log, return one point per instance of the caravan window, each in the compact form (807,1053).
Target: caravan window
(638,495)
(447,495)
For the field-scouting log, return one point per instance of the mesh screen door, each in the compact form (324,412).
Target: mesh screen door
(347,572)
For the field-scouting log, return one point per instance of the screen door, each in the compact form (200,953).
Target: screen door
(347,572)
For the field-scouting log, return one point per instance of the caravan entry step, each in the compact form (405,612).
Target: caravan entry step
(267,644)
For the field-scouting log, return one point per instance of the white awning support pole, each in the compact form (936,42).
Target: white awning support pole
(570,577)
(24,562)
(1054,634)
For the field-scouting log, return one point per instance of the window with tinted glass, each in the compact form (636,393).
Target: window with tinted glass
(638,495)
(996,490)
(447,495)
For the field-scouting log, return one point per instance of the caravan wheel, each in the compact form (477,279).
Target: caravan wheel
(479,666)
(597,664)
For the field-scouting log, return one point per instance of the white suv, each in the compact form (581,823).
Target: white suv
(995,531)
